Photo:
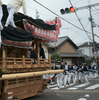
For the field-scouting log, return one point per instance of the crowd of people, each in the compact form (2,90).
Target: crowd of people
(75,73)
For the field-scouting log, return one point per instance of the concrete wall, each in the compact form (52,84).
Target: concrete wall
(68,60)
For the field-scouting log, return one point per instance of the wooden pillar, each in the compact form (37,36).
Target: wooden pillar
(38,50)
(23,61)
(15,66)
(27,53)
(3,59)
(49,57)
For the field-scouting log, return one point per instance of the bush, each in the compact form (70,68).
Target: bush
(58,58)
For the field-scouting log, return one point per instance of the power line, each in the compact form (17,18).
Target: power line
(59,16)
(77,2)
(74,31)
(80,21)
(83,40)
(40,12)
(62,18)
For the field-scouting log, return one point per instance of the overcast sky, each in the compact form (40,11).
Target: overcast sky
(76,35)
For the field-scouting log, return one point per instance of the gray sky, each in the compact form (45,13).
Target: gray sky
(76,35)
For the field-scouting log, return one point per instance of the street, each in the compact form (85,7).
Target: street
(80,91)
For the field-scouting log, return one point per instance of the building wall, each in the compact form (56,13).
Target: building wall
(87,50)
(67,48)
(73,60)
(68,60)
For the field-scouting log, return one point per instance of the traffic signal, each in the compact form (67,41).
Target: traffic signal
(72,9)
(67,10)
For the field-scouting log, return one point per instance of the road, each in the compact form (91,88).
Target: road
(80,91)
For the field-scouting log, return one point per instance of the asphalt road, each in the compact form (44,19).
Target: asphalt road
(80,91)
(66,96)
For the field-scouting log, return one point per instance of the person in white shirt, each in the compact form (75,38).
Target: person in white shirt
(1,15)
(66,74)
(72,73)
(13,7)
(59,76)
(95,71)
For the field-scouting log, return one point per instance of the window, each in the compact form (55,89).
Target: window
(82,50)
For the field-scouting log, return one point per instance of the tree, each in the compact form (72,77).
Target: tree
(58,58)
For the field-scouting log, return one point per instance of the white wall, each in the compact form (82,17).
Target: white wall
(87,51)
(68,60)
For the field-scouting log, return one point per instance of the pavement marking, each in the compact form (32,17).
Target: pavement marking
(77,86)
(56,88)
(82,99)
(92,87)
(55,85)
(95,79)
(87,95)
(62,86)
(69,85)
(52,85)
(81,85)
(72,88)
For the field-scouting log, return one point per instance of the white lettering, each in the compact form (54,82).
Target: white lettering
(36,30)
(9,92)
(10,97)
(44,32)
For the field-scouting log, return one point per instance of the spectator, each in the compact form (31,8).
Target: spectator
(32,54)
(42,54)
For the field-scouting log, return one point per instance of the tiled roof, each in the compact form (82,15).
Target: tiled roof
(87,44)
(71,55)
(61,40)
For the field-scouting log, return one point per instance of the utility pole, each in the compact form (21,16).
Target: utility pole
(73,10)
(55,46)
(37,14)
(80,21)
(86,7)
(92,34)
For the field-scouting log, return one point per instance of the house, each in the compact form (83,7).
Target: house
(67,50)
(88,49)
